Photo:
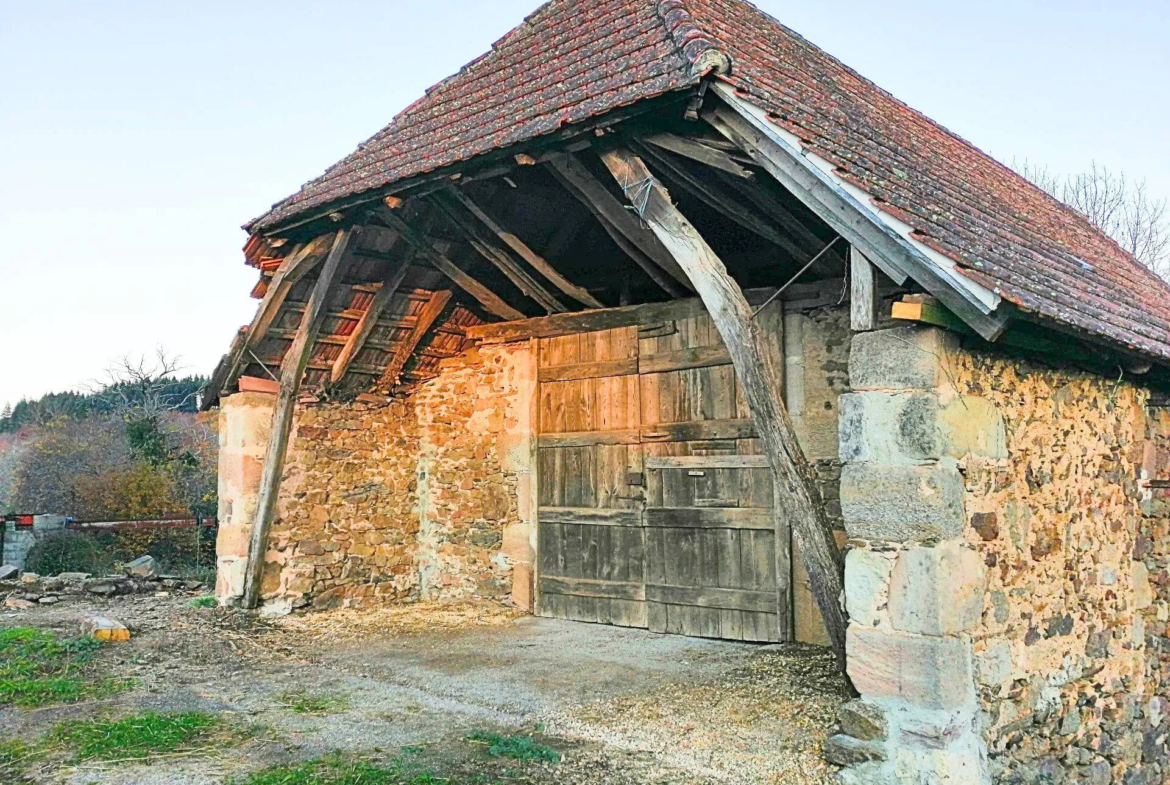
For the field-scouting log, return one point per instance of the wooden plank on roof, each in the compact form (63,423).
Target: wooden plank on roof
(696,150)
(369,319)
(426,317)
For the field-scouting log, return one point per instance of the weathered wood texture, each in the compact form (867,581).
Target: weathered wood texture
(292,369)
(757,371)
(655,510)
(863,297)
(486,297)
(402,352)
(527,254)
(369,319)
(619,223)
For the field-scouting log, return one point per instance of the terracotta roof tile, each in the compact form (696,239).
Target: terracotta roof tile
(572,60)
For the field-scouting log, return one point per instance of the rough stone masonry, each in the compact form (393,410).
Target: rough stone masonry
(1004,624)
(426,496)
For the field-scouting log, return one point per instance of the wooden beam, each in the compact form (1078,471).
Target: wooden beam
(594,195)
(723,203)
(795,486)
(369,320)
(526,253)
(486,297)
(301,260)
(496,256)
(426,317)
(776,211)
(291,370)
(697,151)
(863,296)
(891,252)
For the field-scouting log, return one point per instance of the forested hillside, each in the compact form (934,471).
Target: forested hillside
(131,448)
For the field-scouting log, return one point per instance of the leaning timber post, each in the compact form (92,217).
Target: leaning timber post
(733,318)
(292,368)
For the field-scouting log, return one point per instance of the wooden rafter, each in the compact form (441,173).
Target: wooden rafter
(696,150)
(794,485)
(369,319)
(301,260)
(495,255)
(715,197)
(485,296)
(744,124)
(426,317)
(527,254)
(594,195)
(292,369)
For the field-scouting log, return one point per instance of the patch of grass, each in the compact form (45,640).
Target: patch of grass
(516,747)
(206,601)
(313,702)
(139,736)
(340,769)
(15,758)
(37,668)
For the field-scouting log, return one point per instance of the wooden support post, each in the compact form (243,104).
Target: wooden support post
(486,297)
(365,326)
(756,371)
(594,195)
(527,254)
(426,317)
(292,368)
(862,292)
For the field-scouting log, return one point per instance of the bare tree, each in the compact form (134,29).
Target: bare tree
(1123,209)
(145,387)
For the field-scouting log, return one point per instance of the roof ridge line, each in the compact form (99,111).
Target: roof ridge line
(690,39)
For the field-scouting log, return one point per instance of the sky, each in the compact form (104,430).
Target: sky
(136,137)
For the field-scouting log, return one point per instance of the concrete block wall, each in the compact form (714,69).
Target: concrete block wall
(914,589)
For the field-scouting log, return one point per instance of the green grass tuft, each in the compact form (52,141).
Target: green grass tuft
(313,703)
(139,736)
(206,601)
(37,668)
(340,769)
(517,747)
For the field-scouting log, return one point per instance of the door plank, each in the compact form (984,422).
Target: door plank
(759,518)
(711,597)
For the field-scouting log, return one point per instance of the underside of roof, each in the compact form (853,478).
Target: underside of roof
(576,67)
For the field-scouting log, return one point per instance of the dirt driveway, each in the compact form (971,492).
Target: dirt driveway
(621,706)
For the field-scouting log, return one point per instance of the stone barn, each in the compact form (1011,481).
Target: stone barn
(657,315)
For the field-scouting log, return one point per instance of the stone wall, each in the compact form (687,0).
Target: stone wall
(1065,665)
(427,496)
(1003,623)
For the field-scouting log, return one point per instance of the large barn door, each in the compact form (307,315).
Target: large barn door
(590,546)
(712,552)
(656,505)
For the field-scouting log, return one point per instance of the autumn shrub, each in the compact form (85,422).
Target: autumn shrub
(66,551)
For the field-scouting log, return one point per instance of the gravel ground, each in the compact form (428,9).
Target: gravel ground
(626,707)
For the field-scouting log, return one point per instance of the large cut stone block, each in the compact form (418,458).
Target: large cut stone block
(909,357)
(929,673)
(937,591)
(867,580)
(901,503)
(233,540)
(890,428)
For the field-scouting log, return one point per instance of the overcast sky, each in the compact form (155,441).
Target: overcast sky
(136,137)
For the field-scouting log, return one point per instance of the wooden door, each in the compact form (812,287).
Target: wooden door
(656,508)
(589,542)
(713,556)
